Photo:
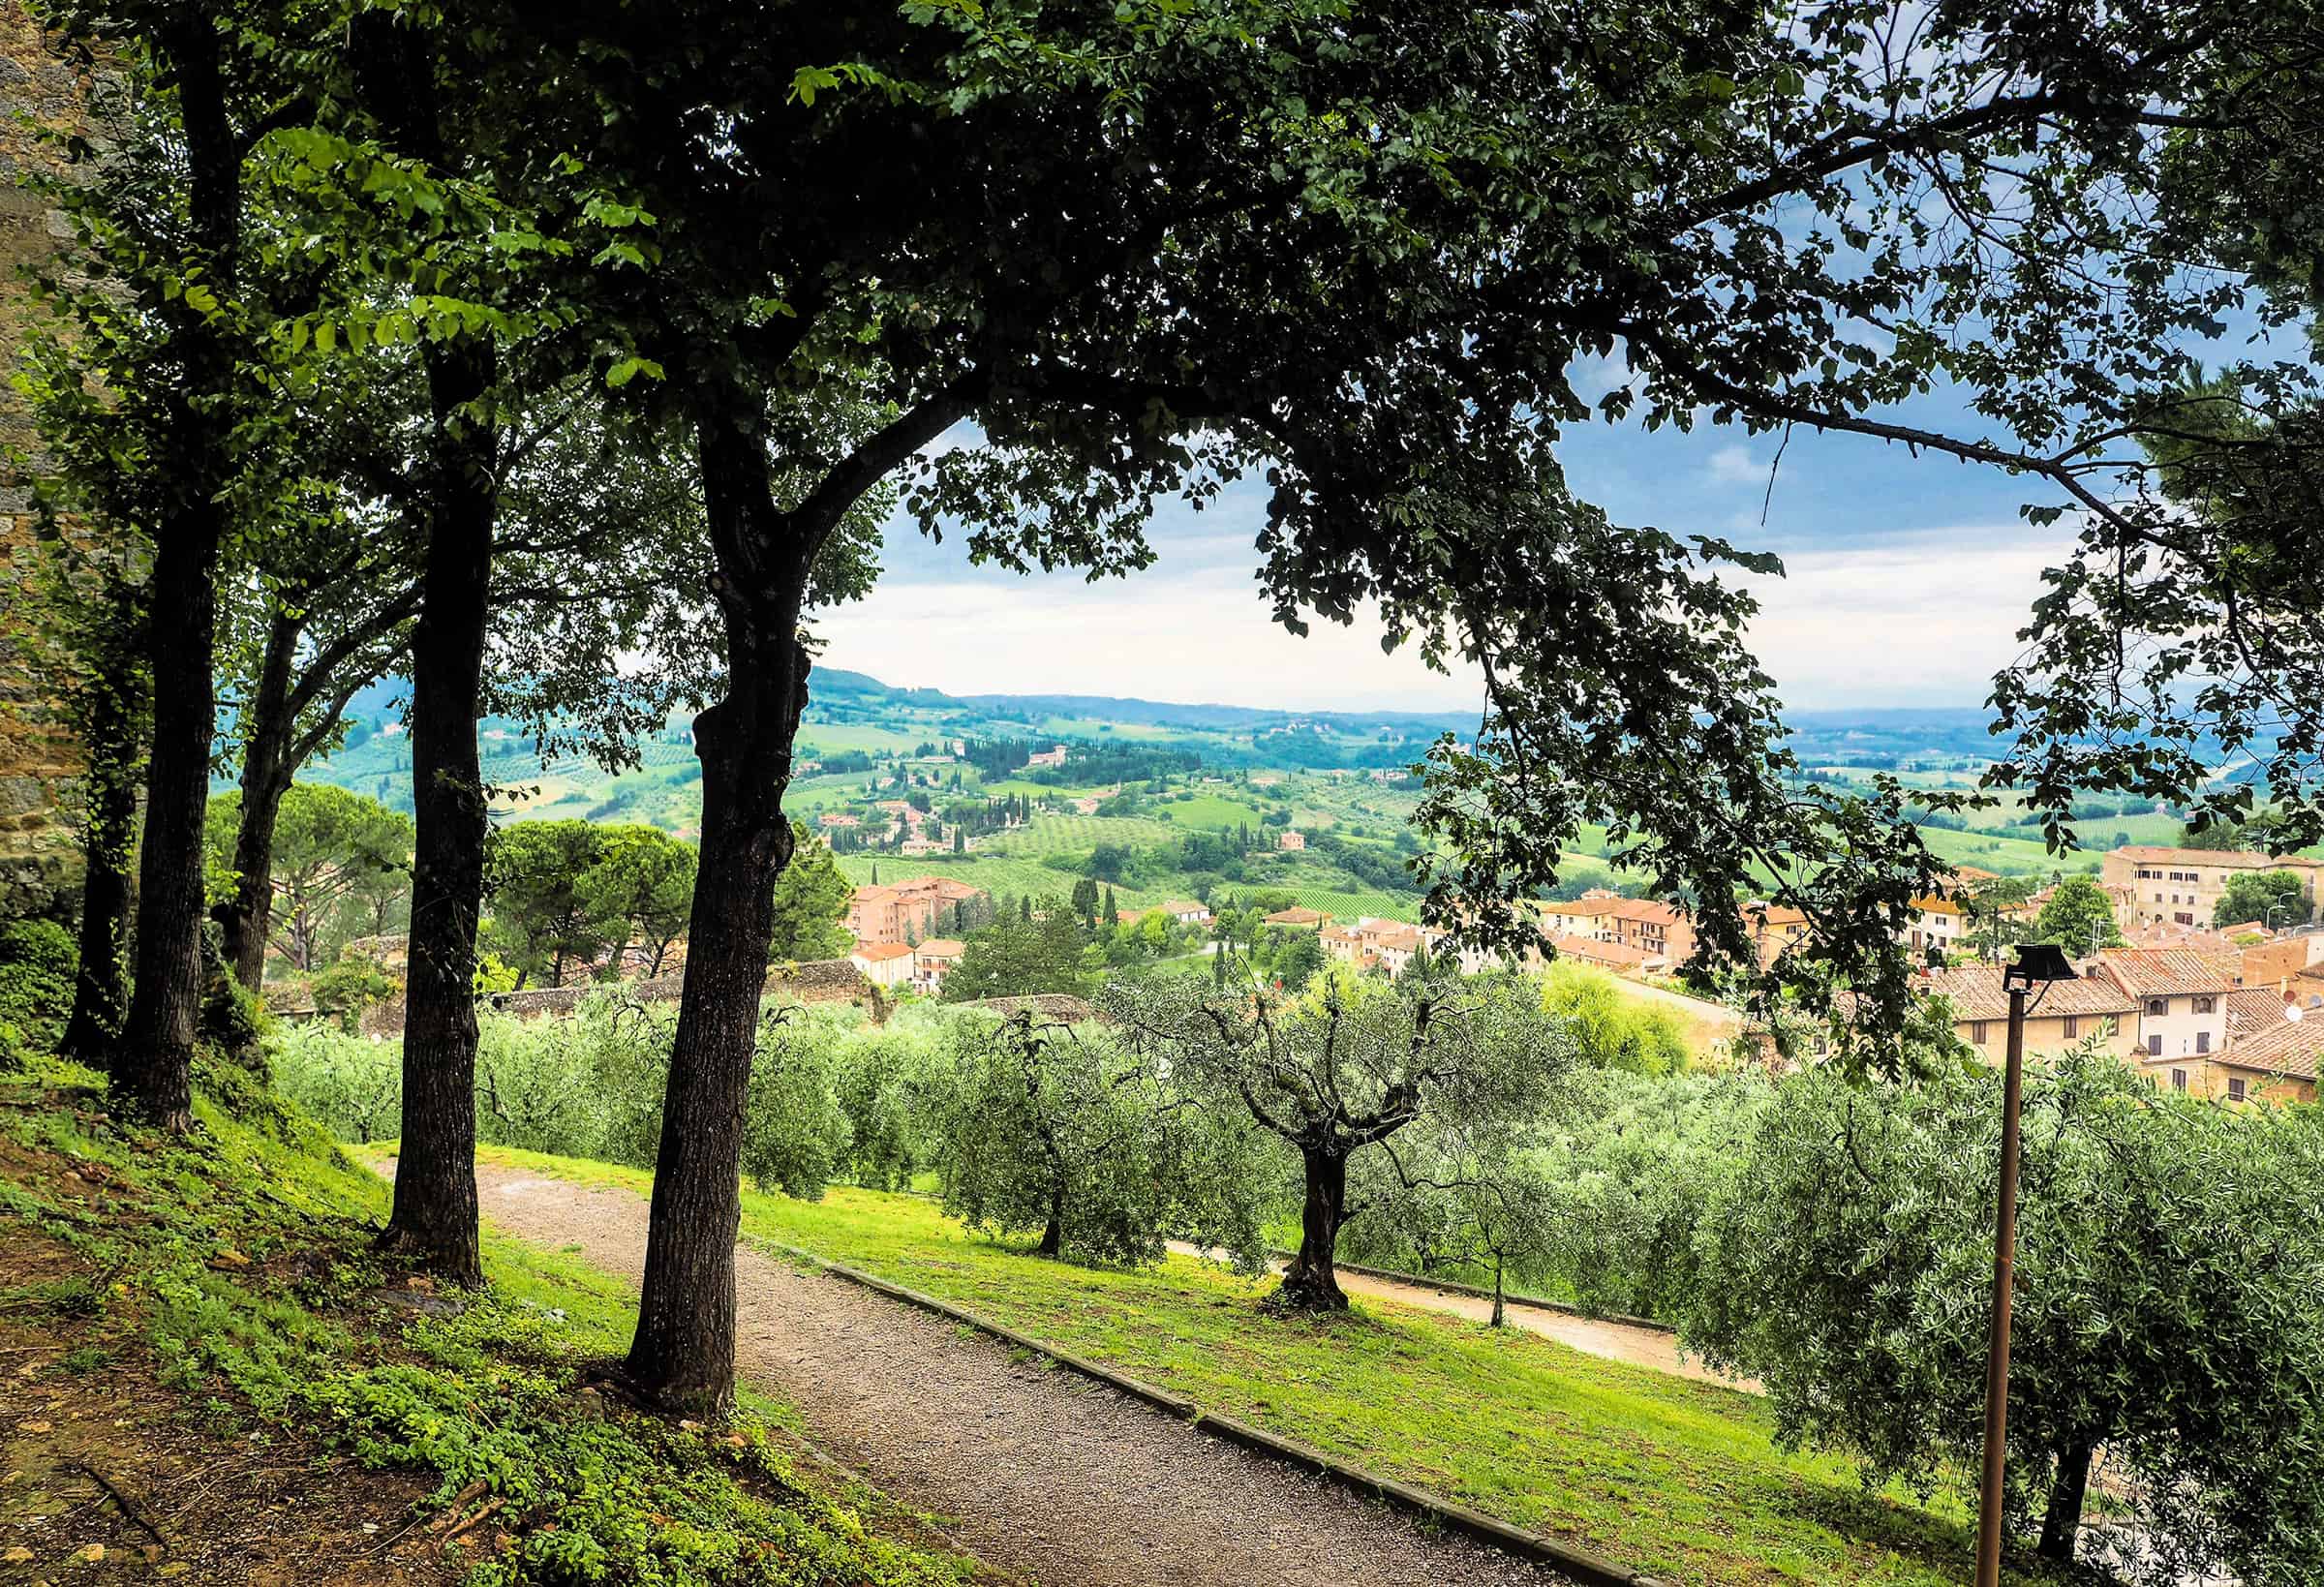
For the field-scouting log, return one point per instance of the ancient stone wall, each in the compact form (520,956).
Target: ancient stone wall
(40,763)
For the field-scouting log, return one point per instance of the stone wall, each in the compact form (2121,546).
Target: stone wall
(815,981)
(40,763)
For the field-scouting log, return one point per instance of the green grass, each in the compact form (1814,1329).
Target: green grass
(1046,835)
(238,1263)
(1663,1475)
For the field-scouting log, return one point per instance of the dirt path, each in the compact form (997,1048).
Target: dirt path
(1045,1473)
(1592,1336)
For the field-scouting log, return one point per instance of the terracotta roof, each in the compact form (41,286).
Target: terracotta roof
(1585,908)
(2254,1010)
(2167,972)
(1186,906)
(1602,953)
(943,947)
(1298,916)
(1404,937)
(1776,914)
(1935,905)
(2290,1048)
(1339,934)
(2233,859)
(1652,910)
(1975,993)
(877,952)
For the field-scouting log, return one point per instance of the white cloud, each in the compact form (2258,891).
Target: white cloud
(1734,465)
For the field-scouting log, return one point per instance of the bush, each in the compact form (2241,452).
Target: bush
(37,964)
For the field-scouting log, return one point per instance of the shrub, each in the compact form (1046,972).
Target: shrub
(37,964)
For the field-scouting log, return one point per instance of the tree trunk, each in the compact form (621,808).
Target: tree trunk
(435,1215)
(1311,1283)
(153,1067)
(1052,1233)
(683,1356)
(246,918)
(1500,1305)
(100,985)
(2061,1520)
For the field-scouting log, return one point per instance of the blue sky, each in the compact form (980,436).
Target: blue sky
(1908,579)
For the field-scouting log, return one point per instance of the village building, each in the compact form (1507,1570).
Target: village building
(1298,919)
(2271,1061)
(1290,842)
(1656,934)
(922,906)
(2275,963)
(1937,925)
(1046,758)
(1187,912)
(883,964)
(837,818)
(1774,928)
(930,959)
(1614,958)
(2182,997)
(2058,1015)
(2184,886)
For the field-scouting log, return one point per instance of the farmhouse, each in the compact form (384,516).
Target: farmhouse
(1046,758)
(1298,919)
(1290,842)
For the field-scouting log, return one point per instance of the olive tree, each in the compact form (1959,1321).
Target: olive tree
(1083,1137)
(1344,1068)
(2169,1253)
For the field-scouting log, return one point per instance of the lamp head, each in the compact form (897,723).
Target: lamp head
(2037,962)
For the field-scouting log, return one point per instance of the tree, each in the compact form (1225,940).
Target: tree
(1463,1197)
(644,879)
(1346,1068)
(1849,1266)
(327,844)
(543,917)
(2269,897)
(809,908)
(1065,1130)
(1018,956)
(2078,916)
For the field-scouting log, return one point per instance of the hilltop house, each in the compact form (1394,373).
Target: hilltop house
(1657,934)
(1046,758)
(1290,842)
(1187,912)
(932,959)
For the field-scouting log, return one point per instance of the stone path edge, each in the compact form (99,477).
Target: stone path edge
(1585,1569)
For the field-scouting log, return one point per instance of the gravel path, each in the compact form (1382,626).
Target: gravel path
(1591,1335)
(1043,1472)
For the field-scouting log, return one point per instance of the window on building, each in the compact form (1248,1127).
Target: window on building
(2202,1041)
(2153,1046)
(2234,1088)
(2177,1079)
(1976,1032)
(2204,1005)
(2158,1005)
(2073,1027)
(2183,918)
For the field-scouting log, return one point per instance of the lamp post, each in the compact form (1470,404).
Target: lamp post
(2038,964)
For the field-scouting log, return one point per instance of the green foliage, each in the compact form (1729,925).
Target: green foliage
(1016,956)
(37,964)
(2078,916)
(542,919)
(2168,1255)
(2275,899)
(811,902)
(1069,1133)
(1612,1030)
(350,986)
(341,868)
(795,1138)
(241,1263)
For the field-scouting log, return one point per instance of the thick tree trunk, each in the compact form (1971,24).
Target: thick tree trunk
(683,1356)
(153,1066)
(435,1214)
(1052,1233)
(101,985)
(2061,1520)
(1311,1283)
(246,917)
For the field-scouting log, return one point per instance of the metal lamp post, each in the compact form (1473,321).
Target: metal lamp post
(2038,964)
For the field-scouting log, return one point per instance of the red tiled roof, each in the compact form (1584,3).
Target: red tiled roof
(2252,1010)
(1602,953)
(1976,993)
(2233,859)
(943,947)
(2290,1048)
(2167,972)
(1186,906)
(877,952)
(1297,916)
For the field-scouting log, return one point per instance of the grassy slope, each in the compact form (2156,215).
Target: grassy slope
(1673,1479)
(239,1263)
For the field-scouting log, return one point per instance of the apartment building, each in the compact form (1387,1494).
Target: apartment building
(1653,930)
(930,959)
(1936,924)
(2183,886)
(922,906)
(2181,996)
(2058,1015)
(883,964)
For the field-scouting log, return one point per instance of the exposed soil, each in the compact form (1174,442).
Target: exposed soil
(1043,1472)
(105,1476)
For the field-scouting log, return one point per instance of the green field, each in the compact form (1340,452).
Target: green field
(1046,834)
(1663,1475)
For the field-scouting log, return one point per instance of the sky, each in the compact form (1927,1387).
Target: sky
(1907,581)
